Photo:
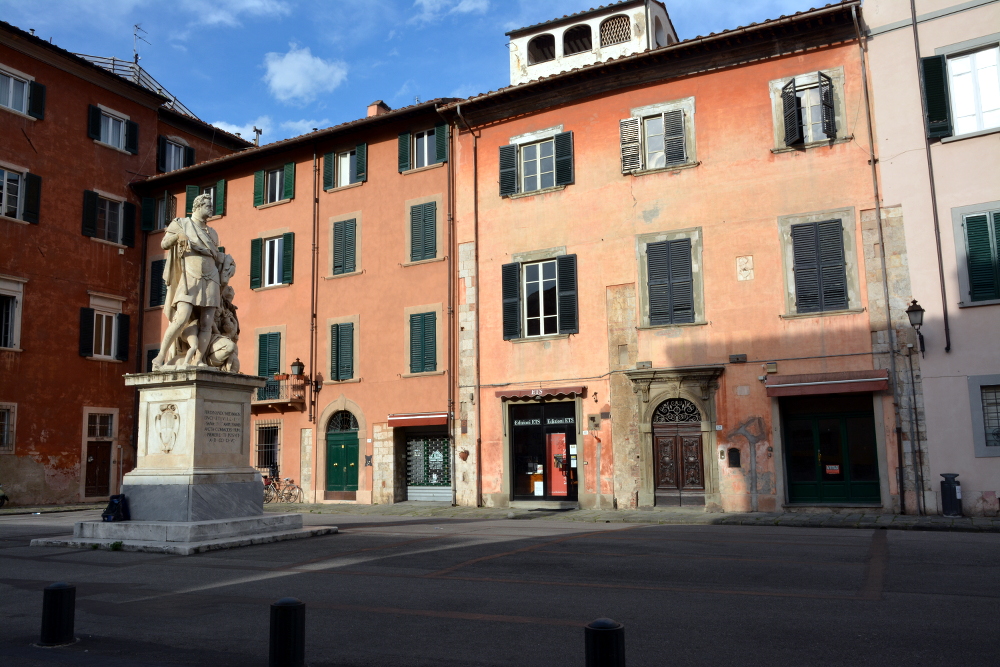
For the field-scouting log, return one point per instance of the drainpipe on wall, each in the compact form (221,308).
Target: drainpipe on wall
(450,211)
(313,293)
(873,160)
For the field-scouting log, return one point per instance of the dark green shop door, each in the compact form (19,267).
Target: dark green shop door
(342,461)
(831,456)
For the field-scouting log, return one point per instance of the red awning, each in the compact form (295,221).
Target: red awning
(419,419)
(845,382)
(542,392)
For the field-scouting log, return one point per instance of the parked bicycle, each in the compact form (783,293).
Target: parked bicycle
(278,490)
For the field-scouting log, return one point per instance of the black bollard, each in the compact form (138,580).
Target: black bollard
(288,633)
(58,609)
(604,643)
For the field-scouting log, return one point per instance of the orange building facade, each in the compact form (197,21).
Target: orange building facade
(342,245)
(670,280)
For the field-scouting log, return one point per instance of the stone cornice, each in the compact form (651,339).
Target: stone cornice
(705,378)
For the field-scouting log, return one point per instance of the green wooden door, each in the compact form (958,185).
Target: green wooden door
(831,458)
(342,461)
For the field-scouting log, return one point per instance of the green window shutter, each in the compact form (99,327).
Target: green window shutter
(416,343)
(361,163)
(681,282)
(441,142)
(508,170)
(833,270)
(674,147)
(416,233)
(670,283)
(258,188)
(569,318)
(430,342)
(161,153)
(350,245)
(268,354)
(404,152)
(157,288)
(790,112)
(256,258)
(339,228)
(511,292)
(89,213)
(128,224)
(934,76)
(826,102)
(982,257)
(148,214)
(94,122)
(289,191)
(334,351)
(86,332)
(345,351)
(188,156)
(36,100)
(329,159)
(122,324)
(132,137)
(220,197)
(429,232)
(564,158)
(31,212)
(190,191)
(287,257)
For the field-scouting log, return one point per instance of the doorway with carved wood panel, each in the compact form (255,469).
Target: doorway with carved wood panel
(677,454)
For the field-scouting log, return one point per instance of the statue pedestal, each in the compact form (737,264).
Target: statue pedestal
(192,488)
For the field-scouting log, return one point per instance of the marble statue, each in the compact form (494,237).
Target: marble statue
(202,329)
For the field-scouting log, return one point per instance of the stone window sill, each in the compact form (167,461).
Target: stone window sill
(11,349)
(17,113)
(828,313)
(270,287)
(969,135)
(522,195)
(667,169)
(420,375)
(436,165)
(326,382)
(814,144)
(654,327)
(113,147)
(540,339)
(425,261)
(345,187)
(343,275)
(273,203)
(976,304)
(150,308)
(9,219)
(107,360)
(110,243)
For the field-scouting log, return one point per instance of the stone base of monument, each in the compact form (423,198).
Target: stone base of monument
(184,538)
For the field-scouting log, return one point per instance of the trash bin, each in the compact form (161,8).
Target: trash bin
(951,495)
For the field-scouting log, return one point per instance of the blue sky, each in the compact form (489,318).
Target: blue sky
(291,65)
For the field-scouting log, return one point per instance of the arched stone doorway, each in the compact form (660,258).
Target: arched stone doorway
(678,454)
(342,456)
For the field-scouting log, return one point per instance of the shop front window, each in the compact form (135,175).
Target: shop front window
(544,451)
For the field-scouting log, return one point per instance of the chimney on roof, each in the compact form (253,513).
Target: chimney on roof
(377,108)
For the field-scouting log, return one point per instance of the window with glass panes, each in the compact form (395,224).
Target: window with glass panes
(811,110)
(100,425)
(13,92)
(664,139)
(8,312)
(347,168)
(104,334)
(273,249)
(268,446)
(109,220)
(991,414)
(975,90)
(275,185)
(164,211)
(538,166)
(10,193)
(210,191)
(541,299)
(175,156)
(7,428)
(424,151)
(113,131)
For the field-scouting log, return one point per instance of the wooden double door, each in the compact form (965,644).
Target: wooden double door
(679,464)
(342,461)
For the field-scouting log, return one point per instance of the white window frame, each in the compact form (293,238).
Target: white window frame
(106,202)
(14,287)
(8,102)
(5,173)
(976,85)
(175,156)
(344,173)
(644,113)
(101,325)
(116,453)
(8,435)
(522,161)
(542,318)
(274,184)
(107,118)
(210,191)
(429,141)
(804,81)
(273,253)
(109,307)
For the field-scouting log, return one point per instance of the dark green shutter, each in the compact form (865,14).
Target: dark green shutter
(511,293)
(982,257)
(805,265)
(564,158)
(819,268)
(150,355)
(220,197)
(287,257)
(258,188)
(128,224)
(329,159)
(826,102)
(429,231)
(89,213)
(190,191)
(161,153)
(404,152)
(148,214)
(289,191)
(416,233)
(32,208)
(256,252)
(790,112)
(122,324)
(670,282)
(338,247)
(681,282)
(335,352)
(86,332)
(441,142)
(36,100)
(345,351)
(268,354)
(569,319)
(833,271)
(157,288)
(94,122)
(132,137)
(350,246)
(361,163)
(188,156)
(430,342)
(934,75)
(508,170)
(674,148)
(416,343)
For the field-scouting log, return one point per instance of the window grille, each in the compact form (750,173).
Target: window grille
(616,30)
(991,414)
(268,447)
(100,425)
(342,422)
(427,462)
(7,305)
(676,410)
(6,429)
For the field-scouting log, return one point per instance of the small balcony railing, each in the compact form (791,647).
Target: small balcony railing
(280,393)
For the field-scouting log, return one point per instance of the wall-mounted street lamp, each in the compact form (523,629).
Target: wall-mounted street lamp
(916,316)
(298,367)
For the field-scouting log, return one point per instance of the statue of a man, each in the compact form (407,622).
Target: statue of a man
(194,283)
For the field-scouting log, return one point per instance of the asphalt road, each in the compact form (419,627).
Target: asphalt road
(398,591)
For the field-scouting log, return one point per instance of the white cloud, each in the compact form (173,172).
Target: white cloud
(298,76)
(297,127)
(246,131)
(432,10)
(229,12)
